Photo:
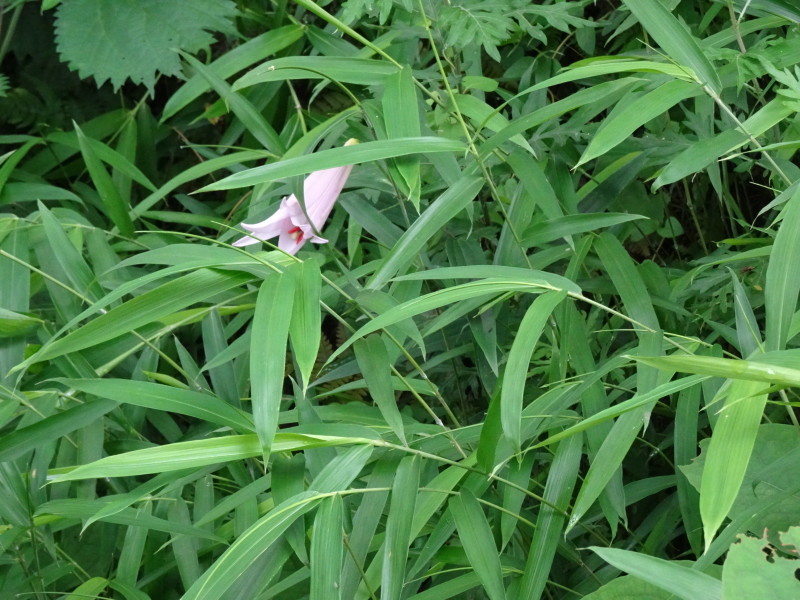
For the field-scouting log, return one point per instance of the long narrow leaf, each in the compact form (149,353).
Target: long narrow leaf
(478,541)
(685,583)
(519,357)
(268,353)
(783,276)
(674,39)
(729,453)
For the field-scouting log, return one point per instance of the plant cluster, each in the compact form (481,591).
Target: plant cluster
(545,344)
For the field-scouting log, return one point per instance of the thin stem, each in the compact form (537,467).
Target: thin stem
(688,194)
(749,135)
(473,150)
(10,31)
(735,27)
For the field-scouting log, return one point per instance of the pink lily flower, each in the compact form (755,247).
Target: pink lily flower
(293,227)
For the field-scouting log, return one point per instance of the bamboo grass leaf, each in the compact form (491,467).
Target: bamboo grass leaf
(783,278)
(249,546)
(676,41)
(373,360)
(305,326)
(519,357)
(115,205)
(15,444)
(196,453)
(230,63)
(141,310)
(550,522)
(684,582)
(342,69)
(401,116)
(327,550)
(430,222)
(729,453)
(268,353)
(401,513)
(478,541)
(335,157)
(244,110)
(166,398)
(645,108)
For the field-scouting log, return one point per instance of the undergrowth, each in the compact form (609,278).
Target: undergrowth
(549,349)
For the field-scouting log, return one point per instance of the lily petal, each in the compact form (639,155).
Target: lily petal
(295,226)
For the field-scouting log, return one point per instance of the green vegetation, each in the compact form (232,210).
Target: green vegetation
(549,350)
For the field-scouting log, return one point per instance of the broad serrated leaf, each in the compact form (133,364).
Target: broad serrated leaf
(136,39)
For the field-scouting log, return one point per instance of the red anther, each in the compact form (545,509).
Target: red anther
(296,233)
(293,230)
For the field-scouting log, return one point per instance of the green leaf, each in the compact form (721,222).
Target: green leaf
(195,172)
(68,256)
(482,115)
(305,326)
(136,40)
(430,222)
(478,542)
(268,353)
(438,299)
(251,118)
(559,227)
(783,278)
(335,157)
(753,569)
(89,589)
(327,550)
(398,524)
(401,117)
(707,150)
(646,107)
(141,310)
(729,452)
(676,41)
(184,549)
(747,328)
(228,568)
(561,479)
(30,192)
(373,361)
(10,160)
(365,522)
(595,67)
(162,397)
(628,588)
(14,324)
(116,206)
(197,453)
(627,280)
(15,444)
(233,61)
(119,162)
(344,70)
(684,582)
(783,8)
(491,272)
(775,453)
(759,369)
(340,472)
(628,405)
(519,357)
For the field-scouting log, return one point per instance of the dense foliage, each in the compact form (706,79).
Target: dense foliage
(549,350)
